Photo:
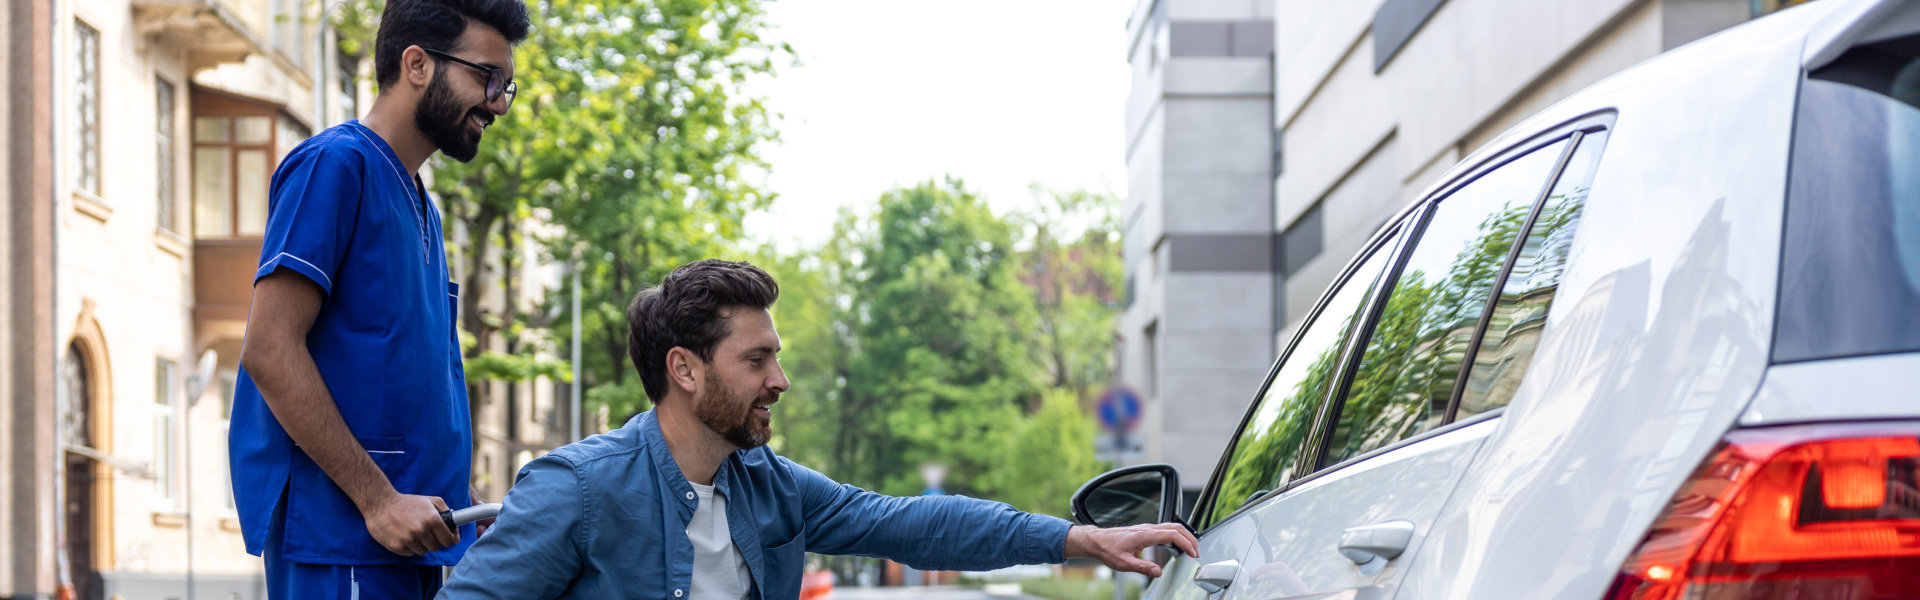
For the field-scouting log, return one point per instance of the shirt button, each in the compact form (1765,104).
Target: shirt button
(678,593)
(689,497)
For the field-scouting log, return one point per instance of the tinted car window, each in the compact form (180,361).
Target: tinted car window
(1850,269)
(1521,311)
(1415,349)
(1266,453)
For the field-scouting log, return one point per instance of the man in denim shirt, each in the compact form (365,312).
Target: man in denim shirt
(687,501)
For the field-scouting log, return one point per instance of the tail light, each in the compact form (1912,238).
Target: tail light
(1821,512)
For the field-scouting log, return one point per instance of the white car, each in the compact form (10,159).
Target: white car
(1662,340)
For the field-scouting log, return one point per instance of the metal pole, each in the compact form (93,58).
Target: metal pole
(319,64)
(573,425)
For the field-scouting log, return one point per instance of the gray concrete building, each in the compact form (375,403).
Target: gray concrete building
(1375,99)
(1196,334)
(1260,162)
(27,509)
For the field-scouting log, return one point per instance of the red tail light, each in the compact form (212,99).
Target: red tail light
(1823,512)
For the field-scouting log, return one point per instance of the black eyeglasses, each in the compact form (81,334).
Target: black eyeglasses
(497,82)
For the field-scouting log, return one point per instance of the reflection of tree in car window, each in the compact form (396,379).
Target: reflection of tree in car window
(1520,315)
(1265,455)
(1415,350)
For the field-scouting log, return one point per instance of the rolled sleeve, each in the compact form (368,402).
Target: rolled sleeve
(311,213)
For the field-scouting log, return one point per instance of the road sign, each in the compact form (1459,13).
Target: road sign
(1119,409)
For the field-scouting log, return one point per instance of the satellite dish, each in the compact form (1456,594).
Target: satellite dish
(201,377)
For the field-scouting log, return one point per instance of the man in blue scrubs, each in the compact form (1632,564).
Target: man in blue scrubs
(350,427)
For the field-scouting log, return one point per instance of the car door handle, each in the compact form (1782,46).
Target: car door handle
(1217,576)
(1379,541)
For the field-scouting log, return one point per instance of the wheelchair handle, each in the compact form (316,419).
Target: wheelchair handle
(455,518)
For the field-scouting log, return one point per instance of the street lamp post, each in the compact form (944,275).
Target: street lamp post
(196,386)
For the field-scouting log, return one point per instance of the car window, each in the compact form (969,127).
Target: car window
(1414,351)
(1850,263)
(1521,311)
(1266,453)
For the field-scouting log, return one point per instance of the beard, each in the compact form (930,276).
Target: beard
(443,119)
(732,415)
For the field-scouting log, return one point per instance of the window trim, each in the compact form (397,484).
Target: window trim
(209,102)
(167,188)
(83,26)
(1408,224)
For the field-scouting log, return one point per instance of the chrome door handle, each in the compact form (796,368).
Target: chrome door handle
(1217,576)
(1379,541)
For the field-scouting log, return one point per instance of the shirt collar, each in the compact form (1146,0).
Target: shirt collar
(663,463)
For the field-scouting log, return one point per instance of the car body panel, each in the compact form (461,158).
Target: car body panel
(1661,333)
(1866,387)
(1296,550)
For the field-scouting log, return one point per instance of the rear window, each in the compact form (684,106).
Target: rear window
(1850,270)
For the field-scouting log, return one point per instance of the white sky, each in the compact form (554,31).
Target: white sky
(1000,93)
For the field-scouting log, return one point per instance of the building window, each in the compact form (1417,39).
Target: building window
(232,161)
(163,154)
(237,142)
(86,95)
(74,394)
(165,422)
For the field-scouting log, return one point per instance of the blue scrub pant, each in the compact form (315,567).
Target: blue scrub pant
(288,580)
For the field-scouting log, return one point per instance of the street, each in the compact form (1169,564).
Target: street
(920,593)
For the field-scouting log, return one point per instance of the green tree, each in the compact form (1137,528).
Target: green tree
(934,330)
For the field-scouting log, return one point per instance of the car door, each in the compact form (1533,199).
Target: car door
(1267,452)
(1359,486)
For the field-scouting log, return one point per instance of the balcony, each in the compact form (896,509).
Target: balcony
(210,29)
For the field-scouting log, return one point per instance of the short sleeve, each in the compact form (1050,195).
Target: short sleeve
(311,210)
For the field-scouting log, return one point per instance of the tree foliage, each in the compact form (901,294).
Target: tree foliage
(936,331)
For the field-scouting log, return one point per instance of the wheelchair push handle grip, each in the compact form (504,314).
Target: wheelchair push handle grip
(455,518)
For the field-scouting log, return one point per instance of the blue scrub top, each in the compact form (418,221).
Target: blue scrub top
(344,213)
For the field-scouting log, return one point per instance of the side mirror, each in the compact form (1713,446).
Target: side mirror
(1130,496)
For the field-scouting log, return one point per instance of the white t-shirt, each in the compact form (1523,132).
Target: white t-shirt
(719,572)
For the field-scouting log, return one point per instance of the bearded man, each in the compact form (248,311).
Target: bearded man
(686,501)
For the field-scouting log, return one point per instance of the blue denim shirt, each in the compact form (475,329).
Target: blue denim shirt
(607,518)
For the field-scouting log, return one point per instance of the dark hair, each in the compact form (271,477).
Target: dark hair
(437,25)
(684,311)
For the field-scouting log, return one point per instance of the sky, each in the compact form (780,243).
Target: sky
(1002,94)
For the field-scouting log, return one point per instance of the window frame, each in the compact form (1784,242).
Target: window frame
(1572,132)
(1407,225)
(1387,239)
(212,103)
(85,137)
(1329,417)
(167,415)
(166,132)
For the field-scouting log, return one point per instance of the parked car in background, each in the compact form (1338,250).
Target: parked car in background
(1661,340)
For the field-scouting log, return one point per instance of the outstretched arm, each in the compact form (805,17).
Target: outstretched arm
(1120,547)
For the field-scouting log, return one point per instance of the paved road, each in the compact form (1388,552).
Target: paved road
(916,593)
